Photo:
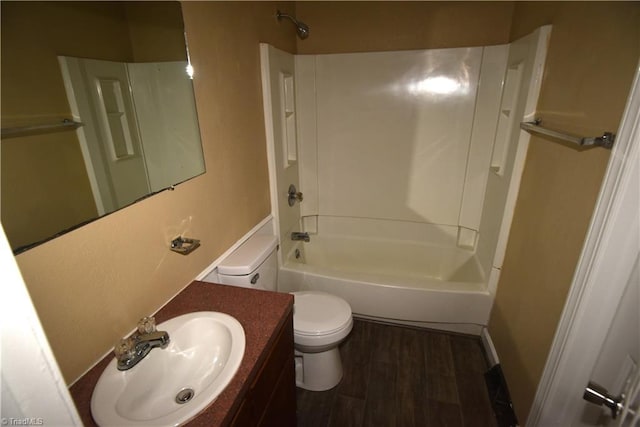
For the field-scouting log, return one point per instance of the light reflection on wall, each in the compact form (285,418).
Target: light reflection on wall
(439,85)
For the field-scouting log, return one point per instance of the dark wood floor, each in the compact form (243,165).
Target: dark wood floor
(397,376)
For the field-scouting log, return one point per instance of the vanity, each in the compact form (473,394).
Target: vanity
(262,391)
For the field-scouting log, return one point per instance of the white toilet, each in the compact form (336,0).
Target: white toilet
(321,321)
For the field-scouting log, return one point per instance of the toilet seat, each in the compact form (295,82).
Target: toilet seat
(318,314)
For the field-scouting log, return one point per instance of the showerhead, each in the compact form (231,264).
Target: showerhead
(301,28)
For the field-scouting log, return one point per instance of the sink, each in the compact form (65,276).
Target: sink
(172,385)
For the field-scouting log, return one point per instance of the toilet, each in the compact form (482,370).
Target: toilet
(321,321)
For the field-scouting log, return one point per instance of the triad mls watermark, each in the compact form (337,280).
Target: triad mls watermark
(22,421)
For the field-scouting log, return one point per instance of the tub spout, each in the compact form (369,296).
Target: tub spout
(297,235)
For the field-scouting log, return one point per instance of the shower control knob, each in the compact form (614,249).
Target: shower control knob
(294,195)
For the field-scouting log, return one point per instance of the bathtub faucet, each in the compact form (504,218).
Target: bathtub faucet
(297,235)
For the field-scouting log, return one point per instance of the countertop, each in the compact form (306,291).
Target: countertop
(261,314)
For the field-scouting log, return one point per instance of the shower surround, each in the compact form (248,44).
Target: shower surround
(409,162)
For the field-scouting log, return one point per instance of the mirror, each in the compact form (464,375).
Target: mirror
(97,111)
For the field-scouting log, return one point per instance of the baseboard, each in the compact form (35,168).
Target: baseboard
(499,397)
(497,385)
(489,349)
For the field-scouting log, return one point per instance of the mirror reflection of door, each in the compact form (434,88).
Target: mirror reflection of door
(140,131)
(99,94)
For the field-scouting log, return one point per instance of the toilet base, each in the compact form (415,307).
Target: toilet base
(318,371)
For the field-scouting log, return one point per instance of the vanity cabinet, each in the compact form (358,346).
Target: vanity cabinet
(271,397)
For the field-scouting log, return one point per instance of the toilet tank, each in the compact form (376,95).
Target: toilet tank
(253,265)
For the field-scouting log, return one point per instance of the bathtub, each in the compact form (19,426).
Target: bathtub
(393,278)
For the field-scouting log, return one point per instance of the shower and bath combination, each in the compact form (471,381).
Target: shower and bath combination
(423,242)
(301,28)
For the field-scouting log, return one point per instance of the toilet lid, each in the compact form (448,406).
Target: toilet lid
(319,313)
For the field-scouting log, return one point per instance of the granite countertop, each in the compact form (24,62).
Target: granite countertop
(261,314)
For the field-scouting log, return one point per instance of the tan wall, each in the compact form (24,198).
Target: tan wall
(343,26)
(91,286)
(34,33)
(592,56)
(45,188)
(156,36)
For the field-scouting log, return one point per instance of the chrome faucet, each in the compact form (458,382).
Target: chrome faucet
(297,235)
(129,351)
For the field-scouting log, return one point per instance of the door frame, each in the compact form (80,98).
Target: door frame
(88,136)
(34,390)
(610,251)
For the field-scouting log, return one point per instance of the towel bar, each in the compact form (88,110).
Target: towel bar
(605,141)
(66,124)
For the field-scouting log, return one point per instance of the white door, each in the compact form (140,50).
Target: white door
(617,367)
(100,97)
(598,337)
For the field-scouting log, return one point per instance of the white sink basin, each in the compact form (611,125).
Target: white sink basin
(203,355)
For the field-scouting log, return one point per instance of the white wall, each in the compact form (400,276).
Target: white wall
(389,137)
(278,73)
(523,77)
(403,135)
(424,136)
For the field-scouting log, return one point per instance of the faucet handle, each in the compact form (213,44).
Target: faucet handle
(123,348)
(146,325)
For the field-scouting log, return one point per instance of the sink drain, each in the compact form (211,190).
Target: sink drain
(185,395)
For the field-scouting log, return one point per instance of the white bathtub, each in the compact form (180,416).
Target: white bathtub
(436,285)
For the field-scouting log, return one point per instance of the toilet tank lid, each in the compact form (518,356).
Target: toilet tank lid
(248,257)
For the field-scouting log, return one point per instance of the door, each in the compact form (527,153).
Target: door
(617,367)
(100,96)
(598,337)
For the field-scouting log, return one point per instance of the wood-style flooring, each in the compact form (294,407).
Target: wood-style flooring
(397,376)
